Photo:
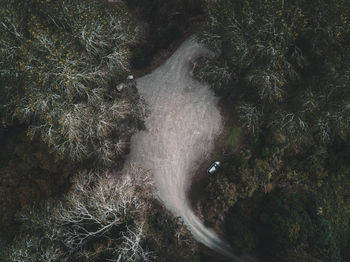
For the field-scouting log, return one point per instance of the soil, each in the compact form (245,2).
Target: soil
(197,193)
(180,132)
(201,179)
(162,55)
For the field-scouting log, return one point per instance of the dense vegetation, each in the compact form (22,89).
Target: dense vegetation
(68,110)
(285,67)
(58,60)
(60,64)
(101,219)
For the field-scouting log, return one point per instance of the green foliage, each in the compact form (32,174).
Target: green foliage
(219,76)
(305,213)
(288,221)
(241,226)
(258,36)
(332,206)
(222,193)
(234,137)
(286,64)
(285,221)
(241,237)
(169,237)
(286,61)
(273,224)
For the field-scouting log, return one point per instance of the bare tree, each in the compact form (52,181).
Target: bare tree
(250,117)
(131,248)
(66,61)
(97,205)
(102,216)
(33,249)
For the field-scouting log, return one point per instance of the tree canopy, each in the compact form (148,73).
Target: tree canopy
(286,60)
(60,62)
(284,67)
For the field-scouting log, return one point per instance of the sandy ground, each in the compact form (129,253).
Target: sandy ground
(180,133)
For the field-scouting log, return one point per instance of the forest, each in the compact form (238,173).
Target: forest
(69,107)
(285,67)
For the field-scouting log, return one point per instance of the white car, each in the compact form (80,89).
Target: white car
(213,168)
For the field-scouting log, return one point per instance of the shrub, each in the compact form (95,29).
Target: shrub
(222,193)
(285,221)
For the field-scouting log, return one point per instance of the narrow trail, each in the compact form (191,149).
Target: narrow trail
(180,130)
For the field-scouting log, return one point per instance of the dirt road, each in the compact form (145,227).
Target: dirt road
(180,131)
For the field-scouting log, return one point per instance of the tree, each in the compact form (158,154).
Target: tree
(66,56)
(222,193)
(102,217)
(285,67)
(287,63)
